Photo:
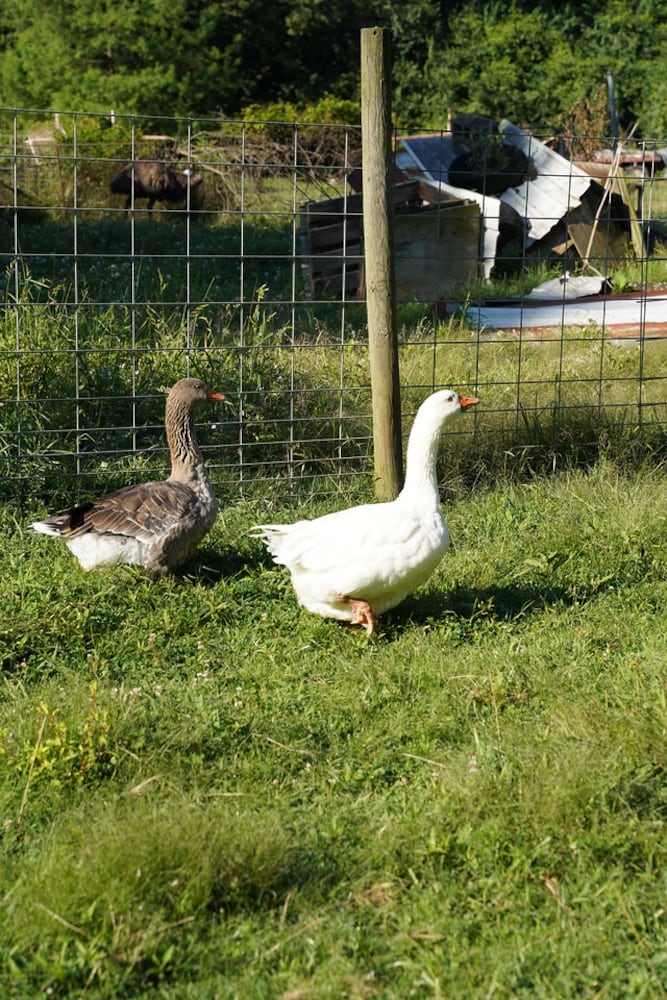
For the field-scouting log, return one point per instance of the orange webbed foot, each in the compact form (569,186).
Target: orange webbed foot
(362,613)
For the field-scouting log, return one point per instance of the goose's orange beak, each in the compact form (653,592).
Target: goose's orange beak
(467,401)
(215,395)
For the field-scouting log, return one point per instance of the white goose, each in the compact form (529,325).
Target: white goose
(357,563)
(156,525)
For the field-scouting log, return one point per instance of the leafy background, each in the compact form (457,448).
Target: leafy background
(533,62)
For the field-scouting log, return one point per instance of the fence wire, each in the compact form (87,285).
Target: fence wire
(249,271)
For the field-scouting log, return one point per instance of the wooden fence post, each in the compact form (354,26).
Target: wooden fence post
(378,260)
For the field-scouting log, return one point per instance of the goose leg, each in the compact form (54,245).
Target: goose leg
(362,613)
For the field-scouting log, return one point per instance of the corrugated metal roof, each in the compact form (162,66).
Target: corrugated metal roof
(556,189)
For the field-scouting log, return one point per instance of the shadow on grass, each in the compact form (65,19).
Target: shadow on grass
(510,602)
(209,566)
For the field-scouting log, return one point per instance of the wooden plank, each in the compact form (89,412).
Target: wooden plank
(436,250)
(340,235)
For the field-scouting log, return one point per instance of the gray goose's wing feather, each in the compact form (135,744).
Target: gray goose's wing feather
(143,511)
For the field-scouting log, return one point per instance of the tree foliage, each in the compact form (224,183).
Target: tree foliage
(526,60)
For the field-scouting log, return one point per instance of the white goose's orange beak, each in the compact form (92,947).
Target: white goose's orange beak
(467,401)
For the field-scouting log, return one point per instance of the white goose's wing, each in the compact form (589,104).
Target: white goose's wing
(357,550)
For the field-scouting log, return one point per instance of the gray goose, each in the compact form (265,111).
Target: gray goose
(155,525)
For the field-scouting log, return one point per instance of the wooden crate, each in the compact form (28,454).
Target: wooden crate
(436,245)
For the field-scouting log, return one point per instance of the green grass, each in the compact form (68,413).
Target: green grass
(208,793)
(90,408)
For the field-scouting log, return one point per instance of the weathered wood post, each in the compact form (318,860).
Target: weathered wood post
(379,264)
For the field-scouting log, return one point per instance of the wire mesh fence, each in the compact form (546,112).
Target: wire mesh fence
(239,257)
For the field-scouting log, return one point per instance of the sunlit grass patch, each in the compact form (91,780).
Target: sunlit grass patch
(475,797)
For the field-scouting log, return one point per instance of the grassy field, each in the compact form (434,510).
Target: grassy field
(208,793)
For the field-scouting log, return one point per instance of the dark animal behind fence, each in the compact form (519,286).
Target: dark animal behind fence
(154,181)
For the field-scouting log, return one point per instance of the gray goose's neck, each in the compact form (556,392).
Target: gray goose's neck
(187,462)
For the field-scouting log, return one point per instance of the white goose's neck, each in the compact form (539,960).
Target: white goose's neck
(421,476)
(187,462)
